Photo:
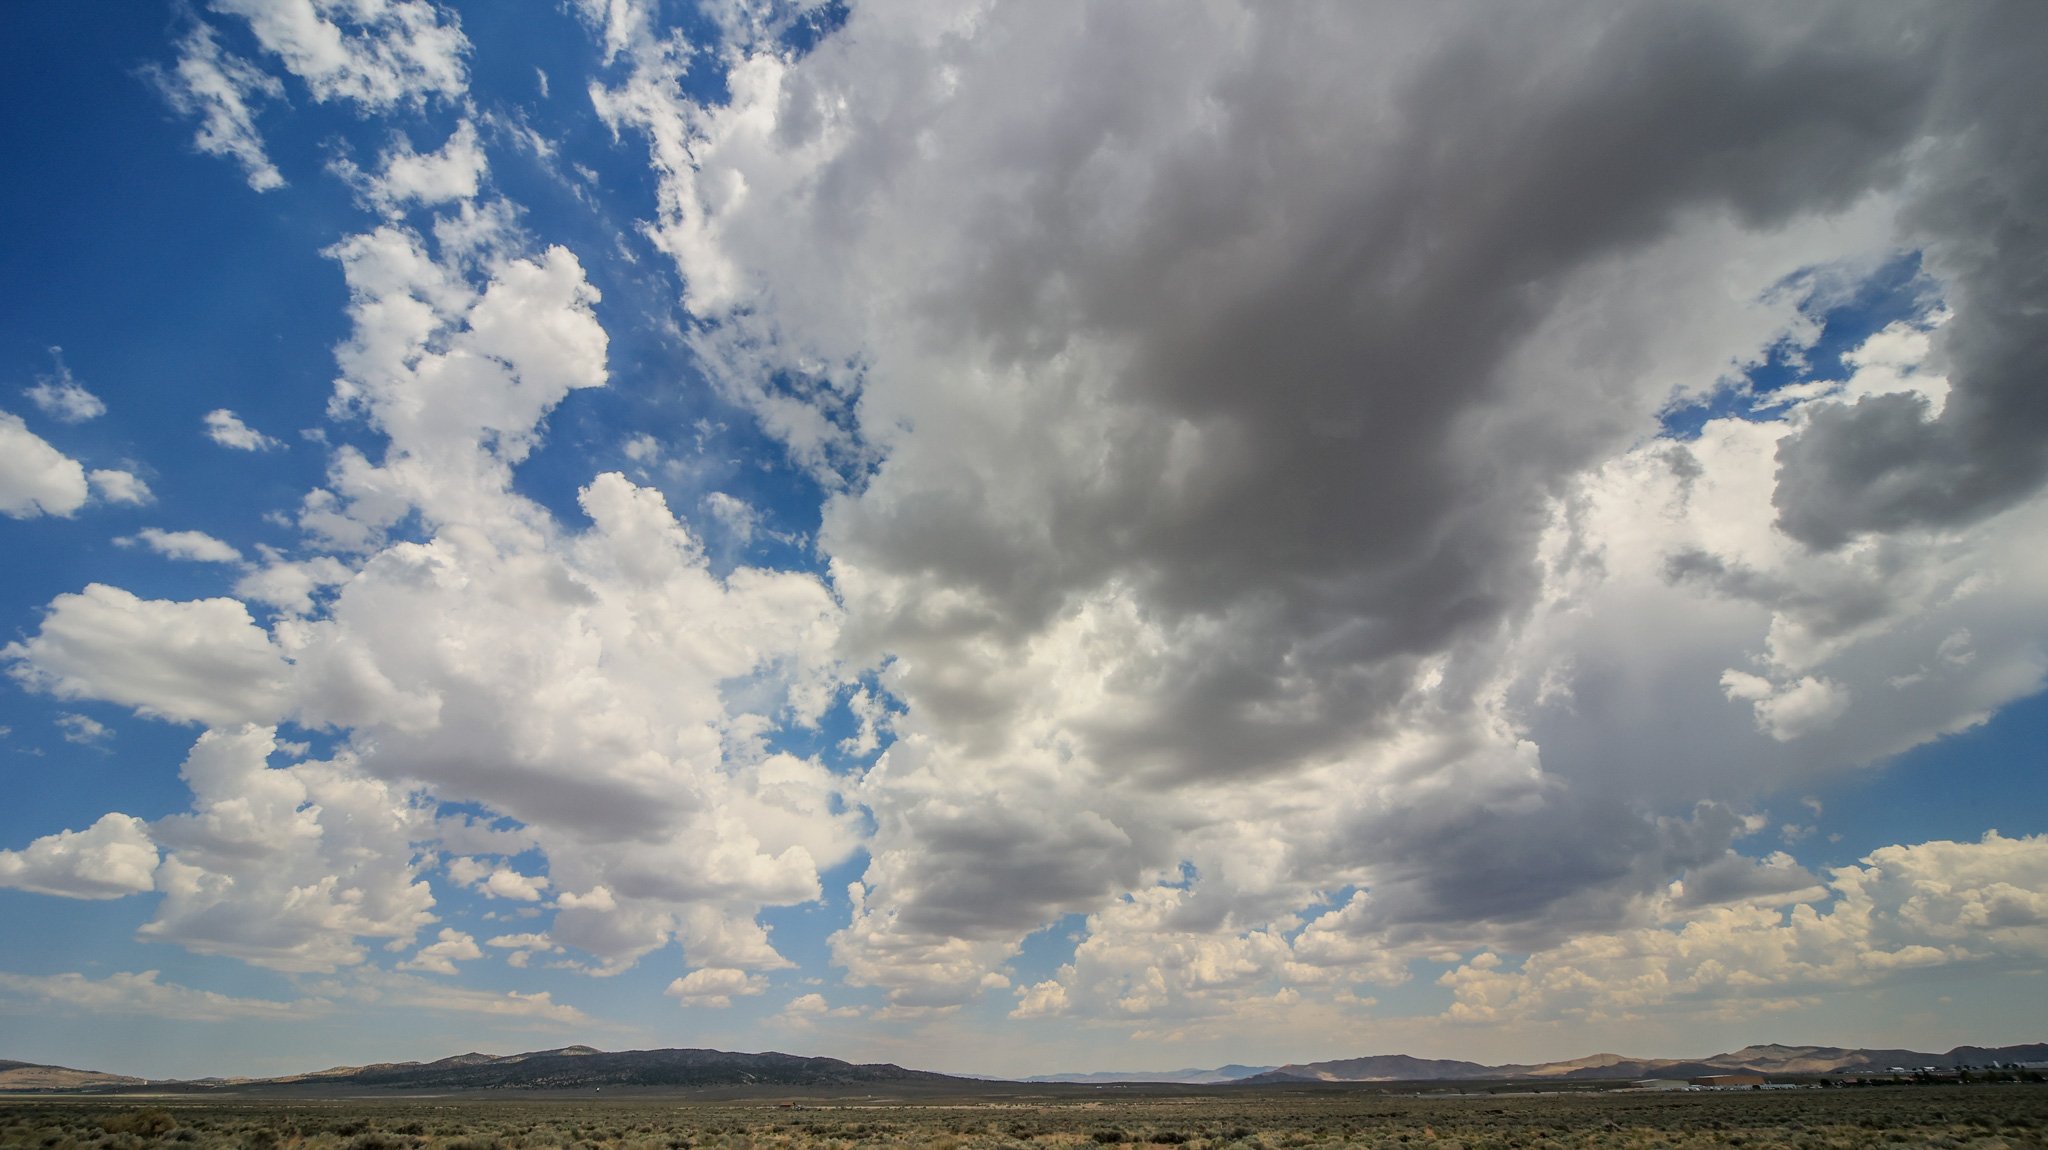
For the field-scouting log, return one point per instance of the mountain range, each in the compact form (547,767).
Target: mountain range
(586,1068)
(27,1076)
(1767,1059)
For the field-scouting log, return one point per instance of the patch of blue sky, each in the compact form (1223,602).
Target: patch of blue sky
(801,931)
(1897,290)
(1956,788)
(1323,904)
(812,24)
(1042,952)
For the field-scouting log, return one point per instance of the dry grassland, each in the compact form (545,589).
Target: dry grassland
(1963,1118)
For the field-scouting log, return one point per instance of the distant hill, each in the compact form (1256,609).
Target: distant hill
(583,1068)
(1768,1059)
(1190,1076)
(34,1076)
(587,1068)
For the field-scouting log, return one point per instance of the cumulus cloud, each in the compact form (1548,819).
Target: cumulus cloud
(194,546)
(36,478)
(805,1010)
(715,986)
(595,682)
(406,177)
(1904,908)
(497,882)
(227,429)
(1889,463)
(62,397)
(1205,462)
(440,957)
(372,53)
(223,91)
(117,486)
(1203,455)
(145,994)
(202,661)
(113,857)
(291,585)
(291,867)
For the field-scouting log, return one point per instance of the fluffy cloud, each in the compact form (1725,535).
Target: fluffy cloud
(715,986)
(290,867)
(202,661)
(406,177)
(222,89)
(1895,463)
(116,486)
(373,53)
(596,682)
(63,398)
(1206,461)
(497,882)
(440,957)
(227,429)
(1905,908)
(36,478)
(113,857)
(196,546)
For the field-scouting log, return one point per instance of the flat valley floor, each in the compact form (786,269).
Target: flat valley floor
(1989,1117)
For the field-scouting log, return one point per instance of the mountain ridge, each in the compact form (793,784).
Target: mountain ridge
(1767,1058)
(585,1067)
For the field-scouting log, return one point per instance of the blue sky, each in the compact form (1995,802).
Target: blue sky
(1104,537)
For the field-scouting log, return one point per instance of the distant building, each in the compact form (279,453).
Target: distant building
(1724,1081)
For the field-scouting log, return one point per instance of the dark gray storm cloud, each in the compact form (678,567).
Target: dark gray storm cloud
(1362,500)
(1979,211)
(1217,378)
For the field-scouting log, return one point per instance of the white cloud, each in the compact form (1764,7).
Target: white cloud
(200,661)
(227,429)
(524,947)
(83,729)
(497,881)
(146,995)
(1905,908)
(111,858)
(715,986)
(1041,1000)
(121,487)
(374,53)
(63,398)
(194,546)
(736,515)
(36,478)
(1798,708)
(221,89)
(1180,497)
(406,177)
(805,1010)
(599,685)
(289,868)
(290,585)
(441,956)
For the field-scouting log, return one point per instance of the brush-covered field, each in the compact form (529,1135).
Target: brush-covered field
(1977,1118)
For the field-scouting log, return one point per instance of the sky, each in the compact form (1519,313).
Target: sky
(1021,538)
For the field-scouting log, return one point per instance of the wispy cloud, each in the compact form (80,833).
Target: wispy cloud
(227,429)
